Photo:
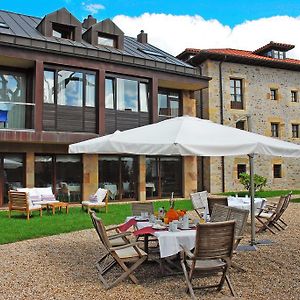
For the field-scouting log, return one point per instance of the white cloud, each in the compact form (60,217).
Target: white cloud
(93,8)
(175,33)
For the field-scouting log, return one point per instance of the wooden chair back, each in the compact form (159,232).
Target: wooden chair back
(212,200)
(137,208)
(100,229)
(281,207)
(219,213)
(199,199)
(214,240)
(18,200)
(240,216)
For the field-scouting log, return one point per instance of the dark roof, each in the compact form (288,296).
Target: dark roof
(240,56)
(274,46)
(22,32)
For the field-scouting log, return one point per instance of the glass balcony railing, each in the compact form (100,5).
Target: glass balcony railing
(16,115)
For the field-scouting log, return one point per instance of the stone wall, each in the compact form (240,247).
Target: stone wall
(257,82)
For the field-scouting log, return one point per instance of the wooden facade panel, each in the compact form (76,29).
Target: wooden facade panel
(48,116)
(127,120)
(110,121)
(144,119)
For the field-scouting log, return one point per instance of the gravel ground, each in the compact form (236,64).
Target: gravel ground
(63,267)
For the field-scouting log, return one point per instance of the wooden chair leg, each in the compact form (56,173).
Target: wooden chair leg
(9,213)
(27,215)
(233,293)
(187,280)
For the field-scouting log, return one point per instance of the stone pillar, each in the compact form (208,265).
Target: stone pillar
(189,178)
(188,103)
(90,175)
(142,178)
(29,180)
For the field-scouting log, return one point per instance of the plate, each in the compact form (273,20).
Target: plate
(158,227)
(141,219)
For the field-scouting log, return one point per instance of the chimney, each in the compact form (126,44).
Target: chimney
(142,37)
(89,22)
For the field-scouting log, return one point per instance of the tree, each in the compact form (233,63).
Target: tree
(259,181)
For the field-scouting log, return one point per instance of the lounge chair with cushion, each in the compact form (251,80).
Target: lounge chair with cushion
(97,201)
(20,201)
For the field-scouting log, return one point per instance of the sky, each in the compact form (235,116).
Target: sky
(173,25)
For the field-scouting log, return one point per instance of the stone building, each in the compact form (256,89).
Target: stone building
(64,81)
(263,84)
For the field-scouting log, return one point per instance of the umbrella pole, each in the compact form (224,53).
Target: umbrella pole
(251,164)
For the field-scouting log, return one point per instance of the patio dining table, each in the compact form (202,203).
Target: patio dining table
(169,242)
(245,203)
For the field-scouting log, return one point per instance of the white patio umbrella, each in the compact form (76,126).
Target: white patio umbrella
(190,136)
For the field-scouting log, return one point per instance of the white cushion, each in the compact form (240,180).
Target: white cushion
(101,193)
(44,190)
(89,203)
(34,206)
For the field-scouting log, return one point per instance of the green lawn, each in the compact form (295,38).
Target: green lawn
(18,228)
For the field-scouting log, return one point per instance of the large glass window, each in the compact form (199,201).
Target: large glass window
(168,103)
(163,176)
(236,93)
(12,171)
(119,176)
(64,172)
(127,94)
(130,94)
(63,31)
(107,40)
(16,111)
(70,88)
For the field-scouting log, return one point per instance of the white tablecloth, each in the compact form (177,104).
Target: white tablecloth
(169,242)
(245,203)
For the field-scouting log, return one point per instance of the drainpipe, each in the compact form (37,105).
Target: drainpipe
(222,119)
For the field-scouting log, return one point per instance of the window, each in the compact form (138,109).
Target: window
(168,103)
(240,125)
(273,94)
(69,100)
(295,130)
(107,40)
(63,31)
(52,170)
(118,174)
(274,129)
(294,96)
(277,172)
(16,110)
(236,93)
(278,54)
(241,168)
(70,87)
(126,94)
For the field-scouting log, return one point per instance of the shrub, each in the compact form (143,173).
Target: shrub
(259,181)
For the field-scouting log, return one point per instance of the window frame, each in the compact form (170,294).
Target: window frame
(167,92)
(239,171)
(67,31)
(139,81)
(106,36)
(235,104)
(294,96)
(275,130)
(273,94)
(277,171)
(295,131)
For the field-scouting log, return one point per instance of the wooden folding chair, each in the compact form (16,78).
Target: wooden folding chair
(212,255)
(199,201)
(269,216)
(128,256)
(278,219)
(212,200)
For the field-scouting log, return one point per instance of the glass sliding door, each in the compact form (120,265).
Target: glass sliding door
(163,176)
(119,176)
(62,172)
(13,168)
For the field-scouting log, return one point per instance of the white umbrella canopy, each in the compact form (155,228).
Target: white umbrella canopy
(186,136)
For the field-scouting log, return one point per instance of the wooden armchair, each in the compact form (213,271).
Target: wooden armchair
(223,213)
(100,200)
(211,256)
(19,201)
(123,255)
